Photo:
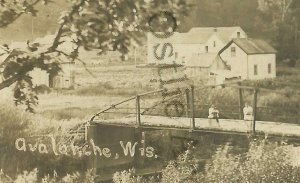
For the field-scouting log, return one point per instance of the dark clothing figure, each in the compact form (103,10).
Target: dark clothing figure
(213,113)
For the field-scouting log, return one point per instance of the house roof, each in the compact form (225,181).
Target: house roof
(175,38)
(223,32)
(197,35)
(254,46)
(202,60)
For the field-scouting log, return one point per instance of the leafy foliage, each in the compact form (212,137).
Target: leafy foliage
(14,124)
(276,21)
(264,162)
(33,177)
(91,24)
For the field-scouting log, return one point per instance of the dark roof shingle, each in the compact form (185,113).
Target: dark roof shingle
(254,46)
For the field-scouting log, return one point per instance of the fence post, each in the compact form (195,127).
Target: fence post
(193,107)
(138,111)
(241,103)
(254,109)
(188,103)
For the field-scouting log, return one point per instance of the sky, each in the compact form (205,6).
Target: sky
(28,27)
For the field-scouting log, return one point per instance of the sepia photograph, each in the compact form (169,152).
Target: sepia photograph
(149,91)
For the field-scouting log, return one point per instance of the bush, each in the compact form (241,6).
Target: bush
(264,162)
(33,177)
(41,89)
(127,176)
(14,124)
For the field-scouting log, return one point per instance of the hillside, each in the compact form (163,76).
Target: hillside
(269,23)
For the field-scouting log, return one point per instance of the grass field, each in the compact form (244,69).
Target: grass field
(112,84)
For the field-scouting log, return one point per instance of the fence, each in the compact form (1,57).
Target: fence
(194,103)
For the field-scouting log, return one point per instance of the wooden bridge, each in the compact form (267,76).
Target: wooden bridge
(183,117)
(184,112)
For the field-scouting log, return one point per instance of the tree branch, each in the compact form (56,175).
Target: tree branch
(6,83)
(55,44)
(59,33)
(81,61)
(18,15)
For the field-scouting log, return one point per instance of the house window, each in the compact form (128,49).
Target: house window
(214,43)
(176,55)
(206,49)
(238,34)
(233,52)
(183,60)
(269,68)
(229,67)
(255,70)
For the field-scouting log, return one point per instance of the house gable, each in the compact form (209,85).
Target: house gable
(250,59)
(238,33)
(214,44)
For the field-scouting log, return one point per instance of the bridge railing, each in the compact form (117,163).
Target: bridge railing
(194,103)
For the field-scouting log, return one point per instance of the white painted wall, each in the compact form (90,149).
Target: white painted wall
(238,63)
(219,44)
(186,51)
(262,61)
(243,64)
(242,34)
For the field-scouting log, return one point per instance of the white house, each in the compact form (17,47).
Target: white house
(215,54)
(199,40)
(250,59)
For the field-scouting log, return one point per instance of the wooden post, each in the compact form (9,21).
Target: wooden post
(241,103)
(188,103)
(193,107)
(138,111)
(92,135)
(254,109)
(143,141)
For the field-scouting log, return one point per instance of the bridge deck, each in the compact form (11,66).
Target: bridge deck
(226,125)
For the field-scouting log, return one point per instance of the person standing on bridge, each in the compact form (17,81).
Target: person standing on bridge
(248,112)
(213,113)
